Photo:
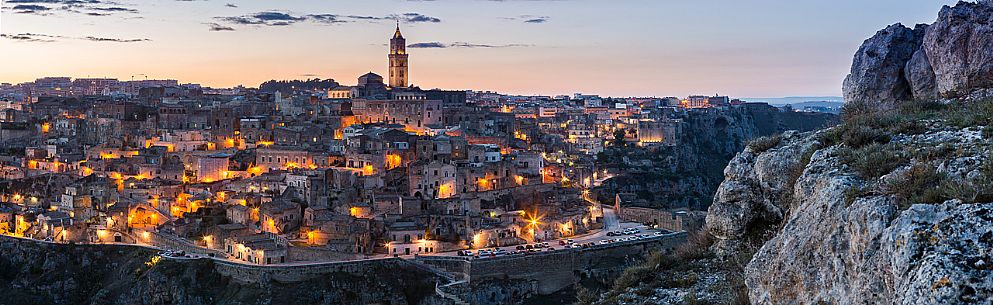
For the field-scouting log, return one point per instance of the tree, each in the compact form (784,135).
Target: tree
(619,138)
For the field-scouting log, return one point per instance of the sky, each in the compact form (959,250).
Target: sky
(754,48)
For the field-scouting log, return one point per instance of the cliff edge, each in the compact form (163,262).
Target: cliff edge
(893,206)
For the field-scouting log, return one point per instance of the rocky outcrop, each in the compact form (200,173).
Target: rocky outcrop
(754,184)
(959,46)
(878,68)
(920,77)
(846,239)
(33,272)
(953,57)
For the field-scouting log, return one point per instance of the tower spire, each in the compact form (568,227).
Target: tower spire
(398,59)
(397,33)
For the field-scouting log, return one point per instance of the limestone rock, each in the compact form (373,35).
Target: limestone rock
(959,46)
(920,77)
(754,182)
(951,58)
(833,247)
(877,74)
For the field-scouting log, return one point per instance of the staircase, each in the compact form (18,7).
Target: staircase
(453,290)
(443,291)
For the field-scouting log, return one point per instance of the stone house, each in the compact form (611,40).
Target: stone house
(259,249)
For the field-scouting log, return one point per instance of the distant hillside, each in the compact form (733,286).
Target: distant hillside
(779,101)
(818,104)
(287,86)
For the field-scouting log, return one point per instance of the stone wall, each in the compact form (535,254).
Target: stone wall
(253,274)
(172,242)
(313,254)
(559,269)
(457,266)
(554,270)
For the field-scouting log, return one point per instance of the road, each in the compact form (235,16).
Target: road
(611,223)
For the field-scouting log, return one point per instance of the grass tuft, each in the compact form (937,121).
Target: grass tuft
(763,144)
(875,160)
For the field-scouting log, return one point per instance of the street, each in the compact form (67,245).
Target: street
(611,223)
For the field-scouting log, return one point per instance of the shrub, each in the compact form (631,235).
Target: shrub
(859,136)
(969,114)
(763,144)
(873,161)
(697,246)
(585,296)
(920,184)
(632,277)
(852,194)
(932,153)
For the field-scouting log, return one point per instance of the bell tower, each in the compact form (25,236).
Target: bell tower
(398,60)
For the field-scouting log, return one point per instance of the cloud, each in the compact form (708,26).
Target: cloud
(28,37)
(427,45)
(30,7)
(439,45)
(114,9)
(327,18)
(416,17)
(215,27)
(103,39)
(85,7)
(530,19)
(33,37)
(277,18)
(272,18)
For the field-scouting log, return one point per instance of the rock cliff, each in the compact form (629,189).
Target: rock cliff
(37,273)
(893,206)
(953,57)
(687,174)
(909,223)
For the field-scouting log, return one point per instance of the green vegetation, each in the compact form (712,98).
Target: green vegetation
(762,144)
(866,132)
(680,269)
(919,184)
(874,160)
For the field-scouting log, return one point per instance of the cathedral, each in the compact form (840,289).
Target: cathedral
(398,60)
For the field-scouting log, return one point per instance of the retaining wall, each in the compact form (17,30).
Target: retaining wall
(296,273)
(558,269)
(554,270)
